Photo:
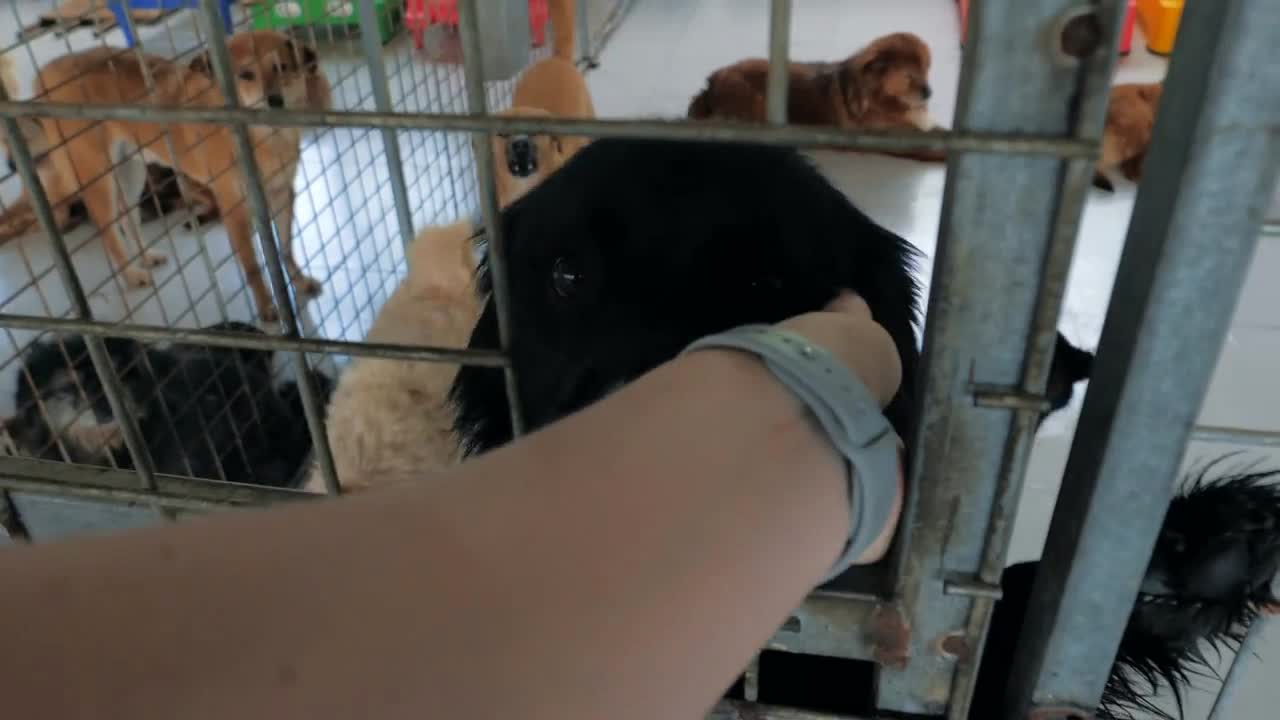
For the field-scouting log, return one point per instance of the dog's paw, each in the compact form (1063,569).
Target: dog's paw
(307,287)
(137,278)
(269,314)
(152,259)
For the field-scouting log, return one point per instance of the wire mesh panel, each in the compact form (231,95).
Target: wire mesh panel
(130,306)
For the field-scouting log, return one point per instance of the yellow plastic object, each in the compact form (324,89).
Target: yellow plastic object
(1159,20)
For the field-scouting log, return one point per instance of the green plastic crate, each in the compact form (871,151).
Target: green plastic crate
(285,14)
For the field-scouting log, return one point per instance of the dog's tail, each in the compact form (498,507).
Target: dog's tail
(564,26)
(1210,576)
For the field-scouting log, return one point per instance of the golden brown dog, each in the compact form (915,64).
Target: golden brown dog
(552,87)
(390,418)
(884,86)
(163,193)
(107,159)
(1131,115)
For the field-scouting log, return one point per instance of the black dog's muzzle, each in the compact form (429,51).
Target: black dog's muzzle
(522,156)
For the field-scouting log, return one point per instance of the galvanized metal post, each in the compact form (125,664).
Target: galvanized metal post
(779,42)
(1207,181)
(989,327)
(251,180)
(468,24)
(371,40)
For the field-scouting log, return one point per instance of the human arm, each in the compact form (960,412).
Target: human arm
(624,562)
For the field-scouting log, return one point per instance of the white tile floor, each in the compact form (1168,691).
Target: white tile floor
(657,60)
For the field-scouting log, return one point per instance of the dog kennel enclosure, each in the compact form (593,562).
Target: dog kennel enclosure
(1021,155)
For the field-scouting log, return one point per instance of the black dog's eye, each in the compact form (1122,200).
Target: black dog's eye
(247,75)
(765,285)
(566,278)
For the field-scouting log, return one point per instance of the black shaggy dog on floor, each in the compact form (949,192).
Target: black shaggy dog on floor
(1210,576)
(203,411)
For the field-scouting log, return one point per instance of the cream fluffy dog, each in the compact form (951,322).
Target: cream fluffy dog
(390,418)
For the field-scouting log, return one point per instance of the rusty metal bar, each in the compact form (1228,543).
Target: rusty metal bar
(970,450)
(251,180)
(1238,436)
(101,484)
(371,41)
(779,42)
(867,140)
(481,358)
(739,710)
(468,26)
(1208,179)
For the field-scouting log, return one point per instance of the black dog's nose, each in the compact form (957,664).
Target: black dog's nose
(277,101)
(926,92)
(522,156)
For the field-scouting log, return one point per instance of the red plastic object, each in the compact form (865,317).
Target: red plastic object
(1126,30)
(421,14)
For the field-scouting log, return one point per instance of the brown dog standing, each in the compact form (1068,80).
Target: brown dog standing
(884,86)
(552,87)
(100,156)
(1131,115)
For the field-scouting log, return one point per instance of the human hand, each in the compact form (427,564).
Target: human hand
(847,330)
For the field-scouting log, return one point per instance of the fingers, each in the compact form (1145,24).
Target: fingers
(851,304)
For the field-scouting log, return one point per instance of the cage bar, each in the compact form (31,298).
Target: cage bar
(371,41)
(111,385)
(390,351)
(1232,686)
(251,178)
(972,458)
(1210,172)
(779,42)
(1022,143)
(1239,436)
(468,26)
(102,484)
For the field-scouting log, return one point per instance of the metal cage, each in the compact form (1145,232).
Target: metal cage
(1020,162)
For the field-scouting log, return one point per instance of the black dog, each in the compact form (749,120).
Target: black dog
(1209,577)
(203,411)
(636,248)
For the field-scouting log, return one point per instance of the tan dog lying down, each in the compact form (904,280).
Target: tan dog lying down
(550,88)
(390,418)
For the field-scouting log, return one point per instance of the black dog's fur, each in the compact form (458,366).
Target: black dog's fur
(1209,577)
(636,248)
(202,411)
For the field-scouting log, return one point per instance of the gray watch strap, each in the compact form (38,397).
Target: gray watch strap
(846,412)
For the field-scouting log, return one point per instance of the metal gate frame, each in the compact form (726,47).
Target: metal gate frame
(1020,128)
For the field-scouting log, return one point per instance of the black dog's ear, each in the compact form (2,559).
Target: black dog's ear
(1070,365)
(1076,363)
